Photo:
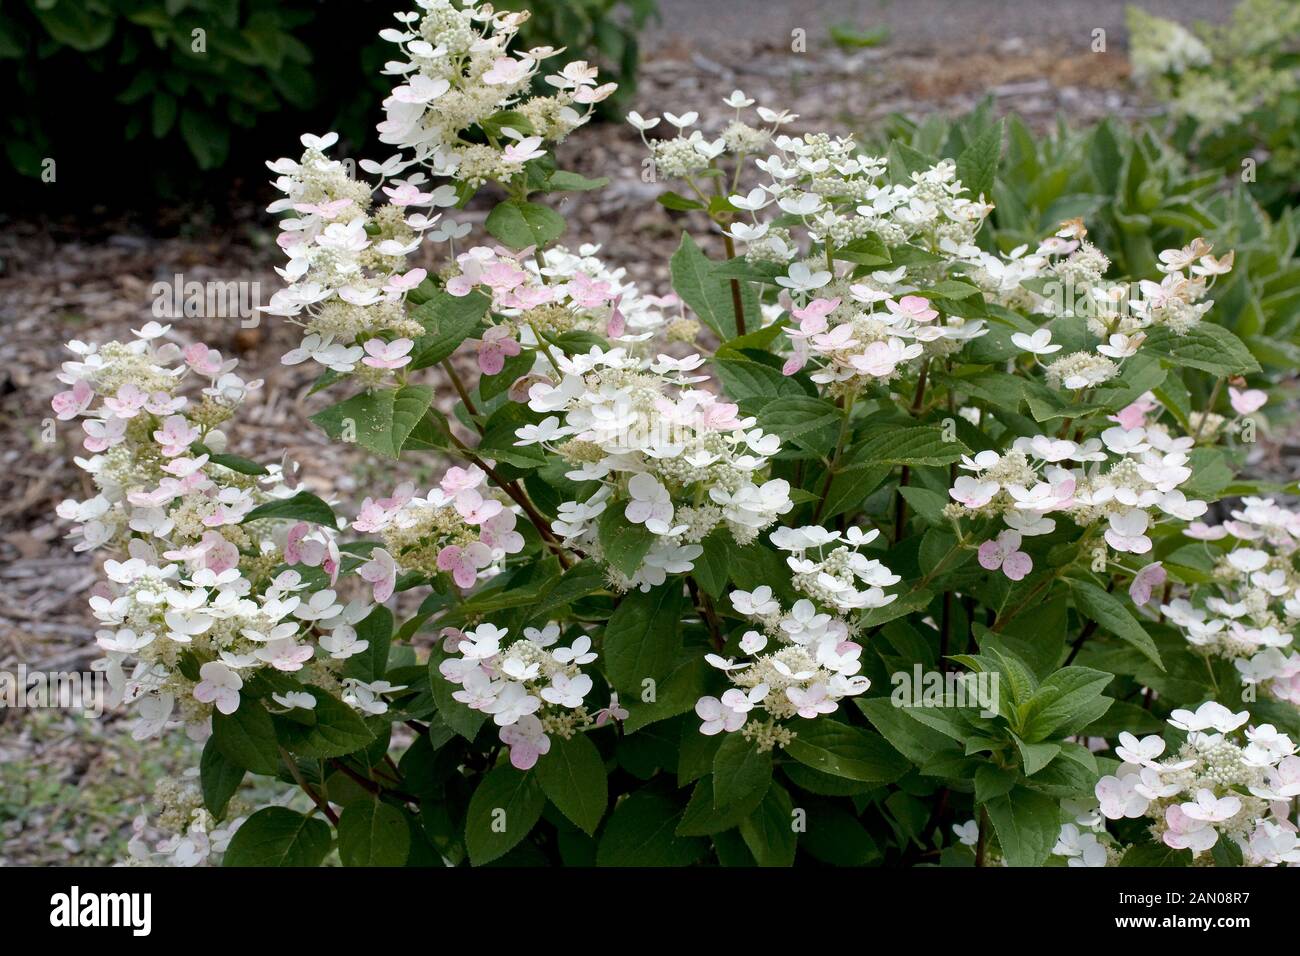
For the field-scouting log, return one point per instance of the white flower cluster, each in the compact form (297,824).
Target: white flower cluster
(1251,611)
(200,584)
(804,661)
(347,272)
(530,686)
(538,295)
(1128,478)
(461,527)
(459,78)
(1069,273)
(671,458)
(820,190)
(1214,786)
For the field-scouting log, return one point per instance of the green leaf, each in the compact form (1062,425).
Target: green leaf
(977,164)
(1062,696)
(564,181)
(219,778)
(845,751)
(643,636)
(522,224)
(625,544)
(708,295)
(1036,756)
(277,836)
(380,420)
(337,729)
(739,769)
(247,738)
(802,420)
(769,831)
(836,837)
(448,321)
(1206,346)
(572,776)
(304,506)
(1155,855)
(502,811)
(917,446)
(1103,607)
(1027,825)
(244,466)
(372,833)
(641,833)
(703,818)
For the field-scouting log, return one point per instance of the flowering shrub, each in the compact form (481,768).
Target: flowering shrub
(877,541)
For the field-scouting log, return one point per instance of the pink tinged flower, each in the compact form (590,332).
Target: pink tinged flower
(1127,531)
(1186,833)
(1145,581)
(1118,797)
(464,563)
(972,492)
(811,702)
(476,509)
(128,401)
(796,361)
(499,532)
(218,685)
(461,285)
(457,479)
(219,554)
(1004,552)
(175,436)
(1247,401)
(877,360)
(202,359)
(815,313)
(617,322)
(381,572)
(612,712)
(717,716)
(284,654)
(914,307)
(68,405)
(293,552)
(1133,416)
(493,348)
(381,354)
(405,283)
(526,740)
(102,435)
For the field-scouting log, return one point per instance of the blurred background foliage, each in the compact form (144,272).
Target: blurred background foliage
(190,92)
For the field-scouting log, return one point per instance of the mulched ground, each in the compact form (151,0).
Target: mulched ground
(69,787)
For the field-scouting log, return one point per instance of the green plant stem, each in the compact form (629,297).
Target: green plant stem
(321,804)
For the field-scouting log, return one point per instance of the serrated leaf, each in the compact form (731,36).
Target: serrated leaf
(277,836)
(572,775)
(504,808)
(1112,617)
(381,420)
(372,833)
(845,751)
(643,636)
(304,506)
(521,224)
